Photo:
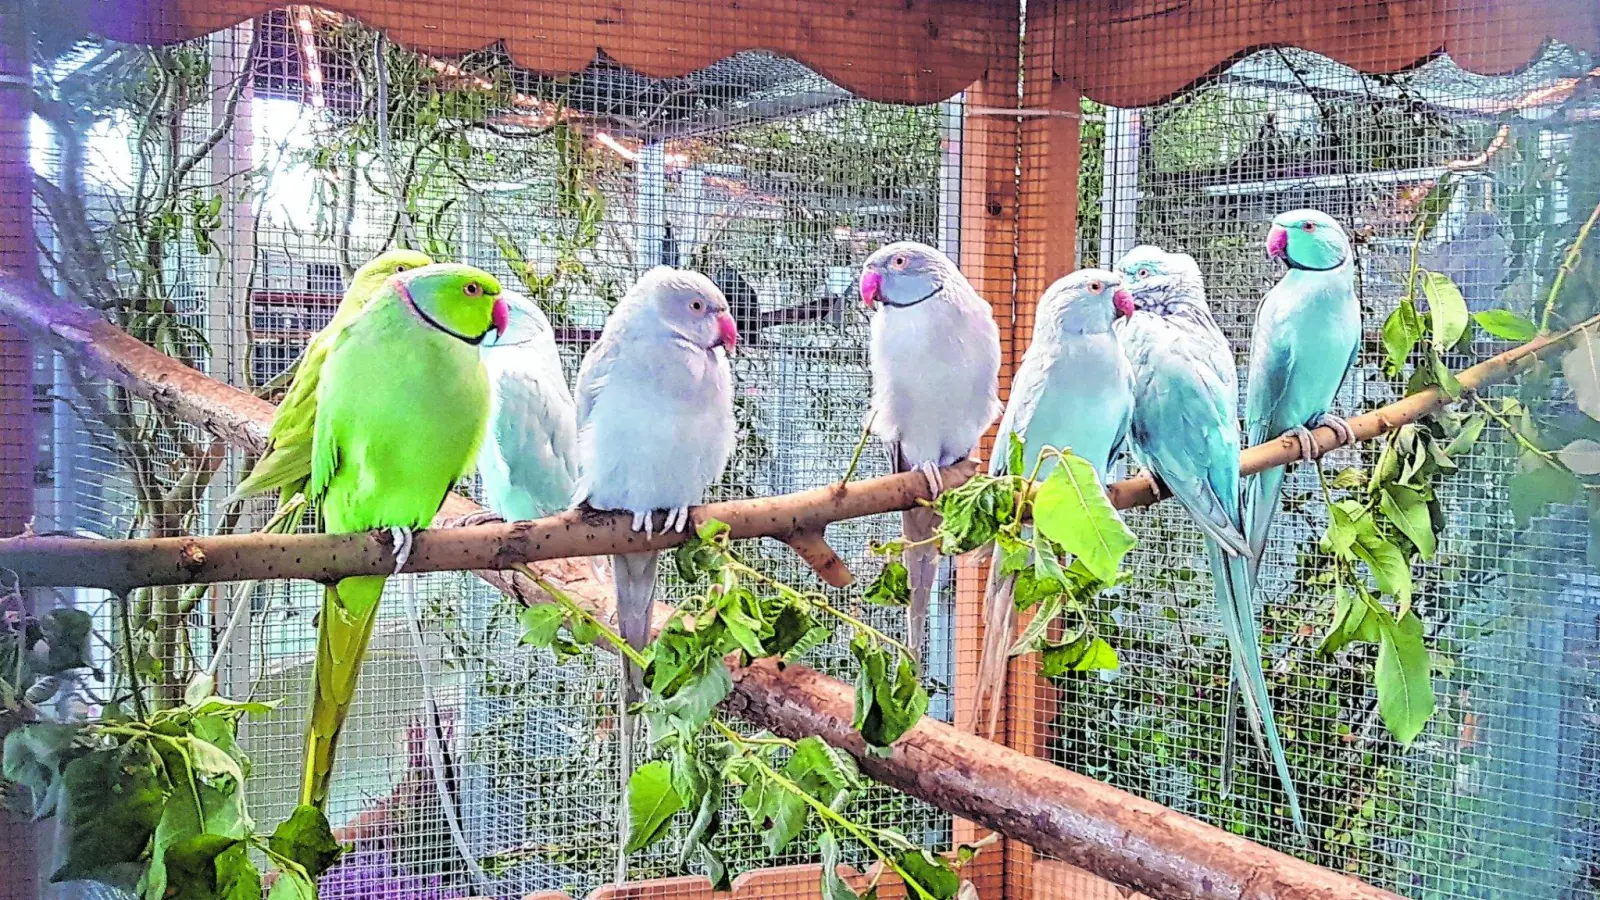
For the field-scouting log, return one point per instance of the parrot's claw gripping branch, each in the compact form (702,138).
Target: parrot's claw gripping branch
(403,542)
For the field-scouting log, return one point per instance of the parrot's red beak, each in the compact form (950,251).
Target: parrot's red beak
(871,288)
(1278,242)
(1122,301)
(727,332)
(500,316)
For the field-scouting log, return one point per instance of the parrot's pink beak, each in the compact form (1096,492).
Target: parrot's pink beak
(1278,242)
(500,316)
(727,332)
(871,288)
(1122,301)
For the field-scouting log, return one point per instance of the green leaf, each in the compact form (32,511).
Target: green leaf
(1445,378)
(66,633)
(211,867)
(1033,634)
(1349,479)
(199,689)
(1401,331)
(1389,566)
(34,757)
(971,514)
(891,587)
(1013,552)
(1405,688)
(1407,509)
(834,887)
(292,883)
(1537,484)
(712,529)
(1503,323)
(652,803)
(306,838)
(889,697)
(540,624)
(1581,367)
(693,704)
(1582,456)
(1467,436)
(1014,454)
(821,769)
(211,762)
(778,813)
(1030,589)
(113,800)
(1072,509)
(1447,309)
(794,632)
(740,612)
(1082,654)
(933,873)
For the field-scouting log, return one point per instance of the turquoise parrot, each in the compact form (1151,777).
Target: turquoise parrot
(286,466)
(935,354)
(1073,391)
(401,407)
(1186,429)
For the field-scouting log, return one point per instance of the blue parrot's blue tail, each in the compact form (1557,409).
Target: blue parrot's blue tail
(1235,587)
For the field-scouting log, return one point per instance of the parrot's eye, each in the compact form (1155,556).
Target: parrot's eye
(1144,273)
(1308,227)
(472,289)
(1096,287)
(399,269)
(899,262)
(696,305)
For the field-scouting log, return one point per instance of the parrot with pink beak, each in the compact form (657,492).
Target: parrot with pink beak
(655,429)
(935,355)
(1073,391)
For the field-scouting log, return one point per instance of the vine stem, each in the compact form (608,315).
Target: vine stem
(127,646)
(855,456)
(1515,432)
(571,606)
(1568,263)
(822,809)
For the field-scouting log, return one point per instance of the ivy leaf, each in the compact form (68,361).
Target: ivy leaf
(1406,508)
(1389,566)
(1072,510)
(1467,436)
(932,872)
(834,887)
(540,624)
(891,587)
(1537,484)
(211,867)
(1447,308)
(1405,688)
(889,697)
(1503,323)
(1582,456)
(652,803)
(1401,331)
(306,838)
(113,799)
(1081,654)
(1581,366)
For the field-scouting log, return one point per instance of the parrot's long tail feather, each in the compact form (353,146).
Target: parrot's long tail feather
(1261,493)
(922,569)
(1235,587)
(999,615)
(344,629)
(635,575)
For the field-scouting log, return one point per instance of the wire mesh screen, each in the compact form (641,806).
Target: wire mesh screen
(215,196)
(1491,800)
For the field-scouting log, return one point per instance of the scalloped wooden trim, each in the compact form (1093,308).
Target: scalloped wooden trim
(1149,50)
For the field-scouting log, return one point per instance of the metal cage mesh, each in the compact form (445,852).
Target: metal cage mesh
(312,144)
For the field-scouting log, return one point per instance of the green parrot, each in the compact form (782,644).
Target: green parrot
(402,404)
(286,465)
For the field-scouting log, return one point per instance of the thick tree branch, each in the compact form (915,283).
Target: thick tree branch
(1121,837)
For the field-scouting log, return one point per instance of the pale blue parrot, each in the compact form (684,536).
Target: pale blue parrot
(529,458)
(1074,390)
(655,429)
(1186,429)
(935,354)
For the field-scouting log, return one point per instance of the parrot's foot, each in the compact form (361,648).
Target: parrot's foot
(930,471)
(644,521)
(482,517)
(402,546)
(1340,427)
(677,520)
(1157,489)
(1308,444)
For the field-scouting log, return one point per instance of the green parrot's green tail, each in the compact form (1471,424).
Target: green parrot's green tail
(349,610)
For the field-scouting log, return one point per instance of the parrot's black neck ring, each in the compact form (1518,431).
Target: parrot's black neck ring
(927,296)
(1293,264)
(411,302)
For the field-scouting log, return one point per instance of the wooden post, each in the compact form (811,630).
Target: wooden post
(19,876)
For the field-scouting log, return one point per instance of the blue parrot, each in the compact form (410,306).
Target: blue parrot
(1074,390)
(529,458)
(1186,429)
(1307,335)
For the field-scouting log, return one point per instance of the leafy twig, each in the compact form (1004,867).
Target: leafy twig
(1568,263)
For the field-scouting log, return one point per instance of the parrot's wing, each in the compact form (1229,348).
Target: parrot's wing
(287,462)
(1027,389)
(536,434)
(1271,368)
(597,367)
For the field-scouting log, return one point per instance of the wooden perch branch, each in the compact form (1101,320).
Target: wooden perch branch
(1123,838)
